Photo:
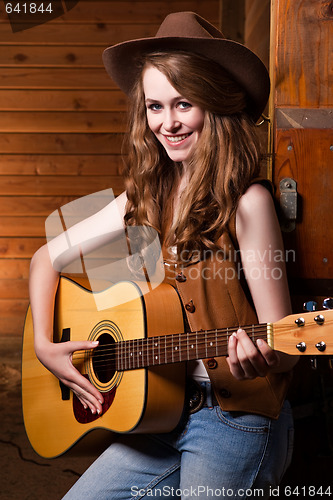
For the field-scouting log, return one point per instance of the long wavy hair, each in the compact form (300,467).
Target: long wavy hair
(223,163)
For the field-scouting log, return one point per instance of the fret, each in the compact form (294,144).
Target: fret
(253,334)
(187,345)
(138,354)
(216,351)
(172,353)
(158,356)
(165,349)
(180,347)
(176,351)
(206,344)
(227,336)
(130,354)
(148,351)
(122,356)
(117,357)
(156,352)
(126,357)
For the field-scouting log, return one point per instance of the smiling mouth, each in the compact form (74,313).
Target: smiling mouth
(175,139)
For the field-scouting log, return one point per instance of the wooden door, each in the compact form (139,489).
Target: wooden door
(301,111)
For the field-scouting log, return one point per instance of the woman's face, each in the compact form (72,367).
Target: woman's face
(175,121)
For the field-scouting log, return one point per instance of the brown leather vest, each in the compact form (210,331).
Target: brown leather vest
(213,297)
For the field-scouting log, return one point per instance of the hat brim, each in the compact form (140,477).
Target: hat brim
(122,64)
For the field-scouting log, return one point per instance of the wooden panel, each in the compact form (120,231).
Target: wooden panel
(14,268)
(12,314)
(304,155)
(36,55)
(56,185)
(257,28)
(32,205)
(62,100)
(14,289)
(19,248)
(58,121)
(102,34)
(55,78)
(22,226)
(13,307)
(78,164)
(303,55)
(60,143)
(148,11)
(62,123)
(233,19)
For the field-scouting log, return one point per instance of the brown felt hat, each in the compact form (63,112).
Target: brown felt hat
(189,32)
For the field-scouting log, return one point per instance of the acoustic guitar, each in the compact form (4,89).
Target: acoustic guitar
(139,364)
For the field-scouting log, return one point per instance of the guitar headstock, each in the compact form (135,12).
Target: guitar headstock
(310,333)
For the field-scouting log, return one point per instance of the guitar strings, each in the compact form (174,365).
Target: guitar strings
(130,360)
(128,345)
(188,337)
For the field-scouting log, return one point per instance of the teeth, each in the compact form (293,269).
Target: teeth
(178,138)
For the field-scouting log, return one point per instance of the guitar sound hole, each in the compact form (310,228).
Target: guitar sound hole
(103,359)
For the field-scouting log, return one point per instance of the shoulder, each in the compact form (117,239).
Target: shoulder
(255,212)
(256,198)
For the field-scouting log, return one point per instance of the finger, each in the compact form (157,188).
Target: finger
(271,357)
(75,345)
(232,359)
(81,385)
(251,360)
(87,399)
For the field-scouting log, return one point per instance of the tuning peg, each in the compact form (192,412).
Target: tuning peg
(328,303)
(309,306)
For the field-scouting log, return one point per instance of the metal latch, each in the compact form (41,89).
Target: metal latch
(288,204)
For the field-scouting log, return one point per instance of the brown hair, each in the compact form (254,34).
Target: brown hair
(225,159)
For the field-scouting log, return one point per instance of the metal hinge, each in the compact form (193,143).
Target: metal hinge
(288,204)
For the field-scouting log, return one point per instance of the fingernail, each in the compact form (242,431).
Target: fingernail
(95,342)
(260,343)
(100,401)
(99,412)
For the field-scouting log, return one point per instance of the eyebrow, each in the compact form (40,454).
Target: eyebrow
(176,98)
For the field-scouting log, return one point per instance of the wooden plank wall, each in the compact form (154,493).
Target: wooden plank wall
(302,48)
(62,123)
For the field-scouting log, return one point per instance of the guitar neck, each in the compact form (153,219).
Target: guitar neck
(175,348)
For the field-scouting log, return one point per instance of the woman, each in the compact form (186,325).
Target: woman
(191,173)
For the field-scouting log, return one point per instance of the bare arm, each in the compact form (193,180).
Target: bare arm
(262,255)
(43,282)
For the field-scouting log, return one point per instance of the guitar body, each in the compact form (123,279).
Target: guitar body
(139,400)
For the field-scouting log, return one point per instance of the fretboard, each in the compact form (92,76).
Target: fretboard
(178,347)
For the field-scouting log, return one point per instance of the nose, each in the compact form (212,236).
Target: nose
(171,122)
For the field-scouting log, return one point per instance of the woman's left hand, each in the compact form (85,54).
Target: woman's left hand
(246,361)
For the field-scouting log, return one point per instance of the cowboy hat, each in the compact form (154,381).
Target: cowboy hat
(189,32)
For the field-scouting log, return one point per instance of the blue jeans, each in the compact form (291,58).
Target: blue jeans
(210,454)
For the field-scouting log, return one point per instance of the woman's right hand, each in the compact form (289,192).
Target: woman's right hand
(57,358)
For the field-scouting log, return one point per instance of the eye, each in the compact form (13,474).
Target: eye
(184,105)
(154,106)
